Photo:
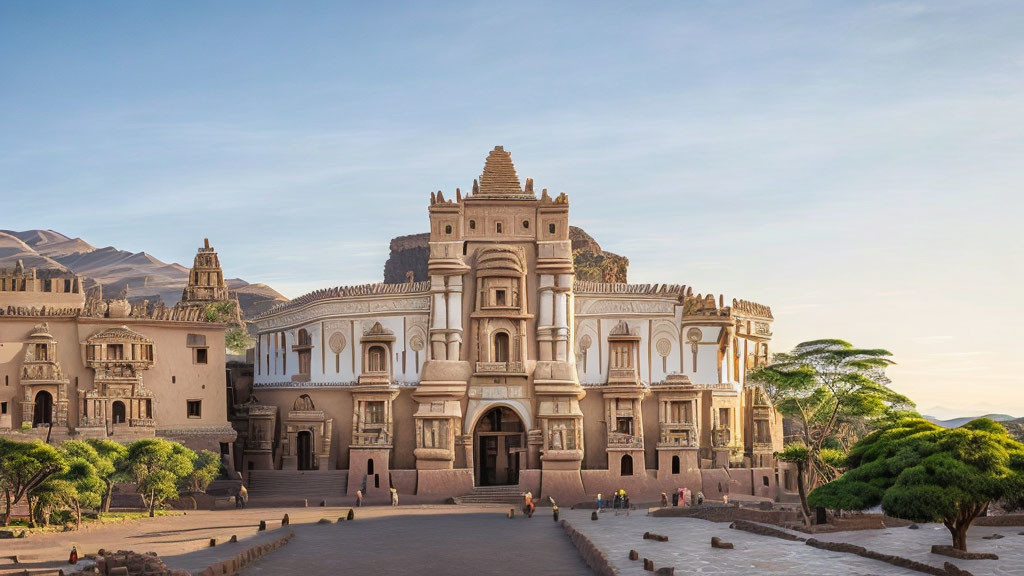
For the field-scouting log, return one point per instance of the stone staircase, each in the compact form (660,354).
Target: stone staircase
(295,484)
(510,495)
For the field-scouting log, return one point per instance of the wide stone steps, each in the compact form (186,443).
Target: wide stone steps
(510,495)
(297,484)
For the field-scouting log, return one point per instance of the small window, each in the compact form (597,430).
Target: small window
(526,224)
(498,228)
(3,407)
(764,480)
(195,408)
(551,228)
(448,229)
(201,355)
(472,224)
(499,297)
(174,379)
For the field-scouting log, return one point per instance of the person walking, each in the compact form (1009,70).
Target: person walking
(359,498)
(528,505)
(242,498)
(394,497)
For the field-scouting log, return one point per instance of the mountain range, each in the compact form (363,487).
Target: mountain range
(145,276)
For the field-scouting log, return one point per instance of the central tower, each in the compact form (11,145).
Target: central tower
(501,373)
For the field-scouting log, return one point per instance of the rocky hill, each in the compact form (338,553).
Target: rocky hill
(958,422)
(410,254)
(146,276)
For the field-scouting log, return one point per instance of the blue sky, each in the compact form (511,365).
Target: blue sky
(857,166)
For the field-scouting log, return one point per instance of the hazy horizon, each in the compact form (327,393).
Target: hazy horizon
(856,167)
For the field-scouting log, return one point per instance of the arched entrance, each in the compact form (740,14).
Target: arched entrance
(43,412)
(500,442)
(304,447)
(117,412)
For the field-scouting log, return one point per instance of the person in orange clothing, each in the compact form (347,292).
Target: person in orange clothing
(528,505)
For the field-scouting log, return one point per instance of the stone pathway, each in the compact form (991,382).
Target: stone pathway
(443,543)
(917,545)
(689,549)
(381,538)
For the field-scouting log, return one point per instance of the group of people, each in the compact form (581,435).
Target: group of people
(620,501)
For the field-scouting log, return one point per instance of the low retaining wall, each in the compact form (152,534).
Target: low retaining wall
(947,570)
(592,555)
(238,562)
(728,514)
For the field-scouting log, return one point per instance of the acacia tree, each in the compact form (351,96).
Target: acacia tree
(23,467)
(158,468)
(109,462)
(924,473)
(830,388)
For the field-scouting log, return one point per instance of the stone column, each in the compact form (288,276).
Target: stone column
(545,321)
(454,316)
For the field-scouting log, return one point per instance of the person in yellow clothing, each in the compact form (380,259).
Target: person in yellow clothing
(528,505)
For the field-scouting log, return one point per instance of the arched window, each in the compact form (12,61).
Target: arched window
(472,224)
(551,228)
(448,229)
(626,468)
(501,347)
(378,359)
(526,224)
(675,464)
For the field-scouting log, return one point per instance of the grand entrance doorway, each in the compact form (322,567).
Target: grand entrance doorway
(500,443)
(304,445)
(43,412)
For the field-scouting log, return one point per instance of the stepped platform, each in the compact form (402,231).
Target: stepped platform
(297,484)
(510,495)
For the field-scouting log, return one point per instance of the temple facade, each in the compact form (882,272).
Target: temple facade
(76,367)
(502,369)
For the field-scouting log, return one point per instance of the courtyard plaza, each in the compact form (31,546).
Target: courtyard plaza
(445,539)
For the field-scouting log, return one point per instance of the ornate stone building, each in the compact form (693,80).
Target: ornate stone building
(206,279)
(72,368)
(502,369)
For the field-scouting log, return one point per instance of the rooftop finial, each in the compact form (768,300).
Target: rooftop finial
(206,243)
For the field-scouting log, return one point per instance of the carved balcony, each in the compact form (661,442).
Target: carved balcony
(678,436)
(620,440)
(500,368)
(375,438)
(721,438)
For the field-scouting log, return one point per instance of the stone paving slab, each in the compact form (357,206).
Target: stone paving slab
(442,544)
(917,545)
(689,549)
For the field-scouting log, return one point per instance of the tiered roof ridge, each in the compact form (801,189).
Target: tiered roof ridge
(499,177)
(589,287)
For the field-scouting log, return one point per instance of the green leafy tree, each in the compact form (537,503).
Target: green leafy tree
(797,453)
(78,487)
(110,463)
(206,468)
(159,467)
(23,467)
(236,338)
(830,388)
(924,473)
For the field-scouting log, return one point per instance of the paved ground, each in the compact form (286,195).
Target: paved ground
(485,542)
(917,545)
(382,540)
(689,549)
